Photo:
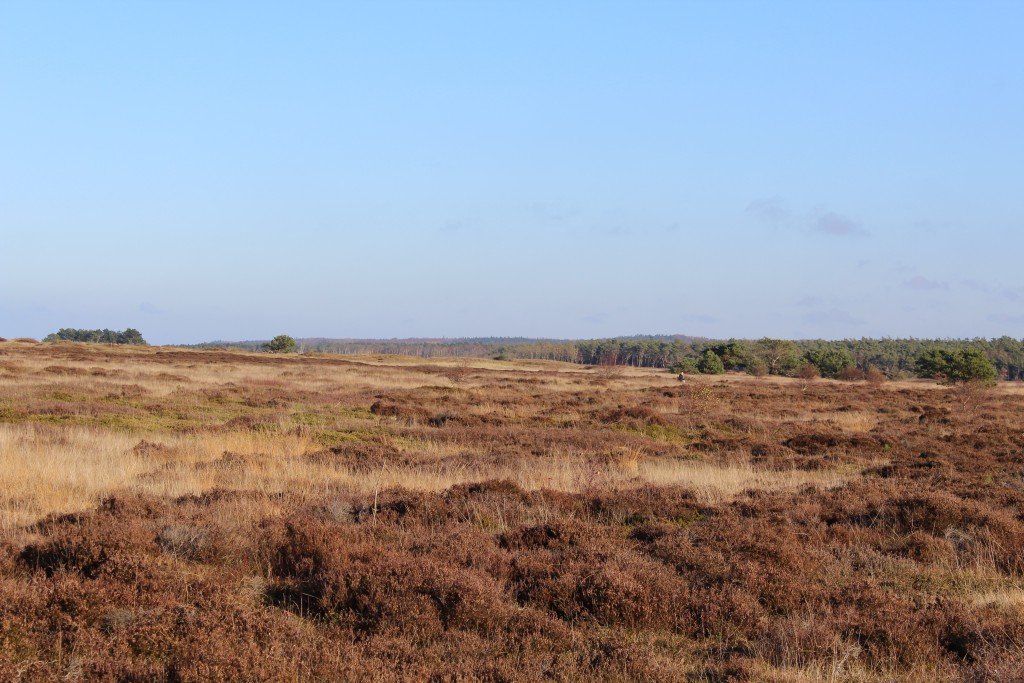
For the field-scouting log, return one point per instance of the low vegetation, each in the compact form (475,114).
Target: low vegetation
(894,358)
(282,343)
(188,515)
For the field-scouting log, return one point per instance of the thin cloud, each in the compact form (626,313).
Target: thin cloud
(1014,295)
(810,301)
(837,225)
(770,210)
(976,286)
(923,284)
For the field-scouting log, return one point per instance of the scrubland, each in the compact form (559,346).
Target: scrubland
(173,515)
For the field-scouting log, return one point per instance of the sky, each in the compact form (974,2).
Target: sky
(236,170)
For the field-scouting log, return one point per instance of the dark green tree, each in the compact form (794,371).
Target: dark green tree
(735,355)
(282,343)
(957,366)
(130,336)
(829,361)
(780,356)
(710,363)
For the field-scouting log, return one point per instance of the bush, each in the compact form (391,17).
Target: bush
(684,365)
(952,367)
(808,372)
(282,343)
(779,356)
(735,355)
(710,364)
(851,374)
(829,361)
(875,376)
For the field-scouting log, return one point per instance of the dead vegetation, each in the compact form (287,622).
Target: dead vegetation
(196,516)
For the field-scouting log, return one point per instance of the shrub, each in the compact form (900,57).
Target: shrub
(875,376)
(780,356)
(684,365)
(807,373)
(829,361)
(282,343)
(710,363)
(851,374)
(952,367)
(735,355)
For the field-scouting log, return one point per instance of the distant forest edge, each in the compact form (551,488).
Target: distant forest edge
(128,336)
(897,358)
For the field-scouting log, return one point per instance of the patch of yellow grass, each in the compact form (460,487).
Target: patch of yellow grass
(47,469)
(714,482)
(855,421)
(1007,599)
(42,472)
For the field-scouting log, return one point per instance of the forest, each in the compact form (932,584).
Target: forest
(896,358)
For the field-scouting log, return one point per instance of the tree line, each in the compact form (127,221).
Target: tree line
(895,358)
(849,358)
(128,336)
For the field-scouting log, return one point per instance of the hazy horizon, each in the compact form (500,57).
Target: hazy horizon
(570,170)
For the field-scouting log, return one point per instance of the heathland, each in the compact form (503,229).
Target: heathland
(221,515)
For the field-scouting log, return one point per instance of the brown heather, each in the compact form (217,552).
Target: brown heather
(170,515)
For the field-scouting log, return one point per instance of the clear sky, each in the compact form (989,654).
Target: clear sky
(237,170)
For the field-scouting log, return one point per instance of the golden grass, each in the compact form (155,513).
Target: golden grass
(1007,599)
(45,469)
(63,472)
(857,421)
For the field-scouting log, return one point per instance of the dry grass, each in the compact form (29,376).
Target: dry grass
(856,422)
(46,470)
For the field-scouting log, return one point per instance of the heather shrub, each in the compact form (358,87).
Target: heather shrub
(875,377)
(850,374)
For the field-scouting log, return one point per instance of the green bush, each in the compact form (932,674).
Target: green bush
(710,363)
(960,365)
(282,343)
(685,365)
(779,356)
(829,361)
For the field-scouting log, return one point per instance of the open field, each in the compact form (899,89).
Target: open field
(217,515)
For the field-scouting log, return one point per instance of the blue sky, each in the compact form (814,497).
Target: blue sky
(226,170)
